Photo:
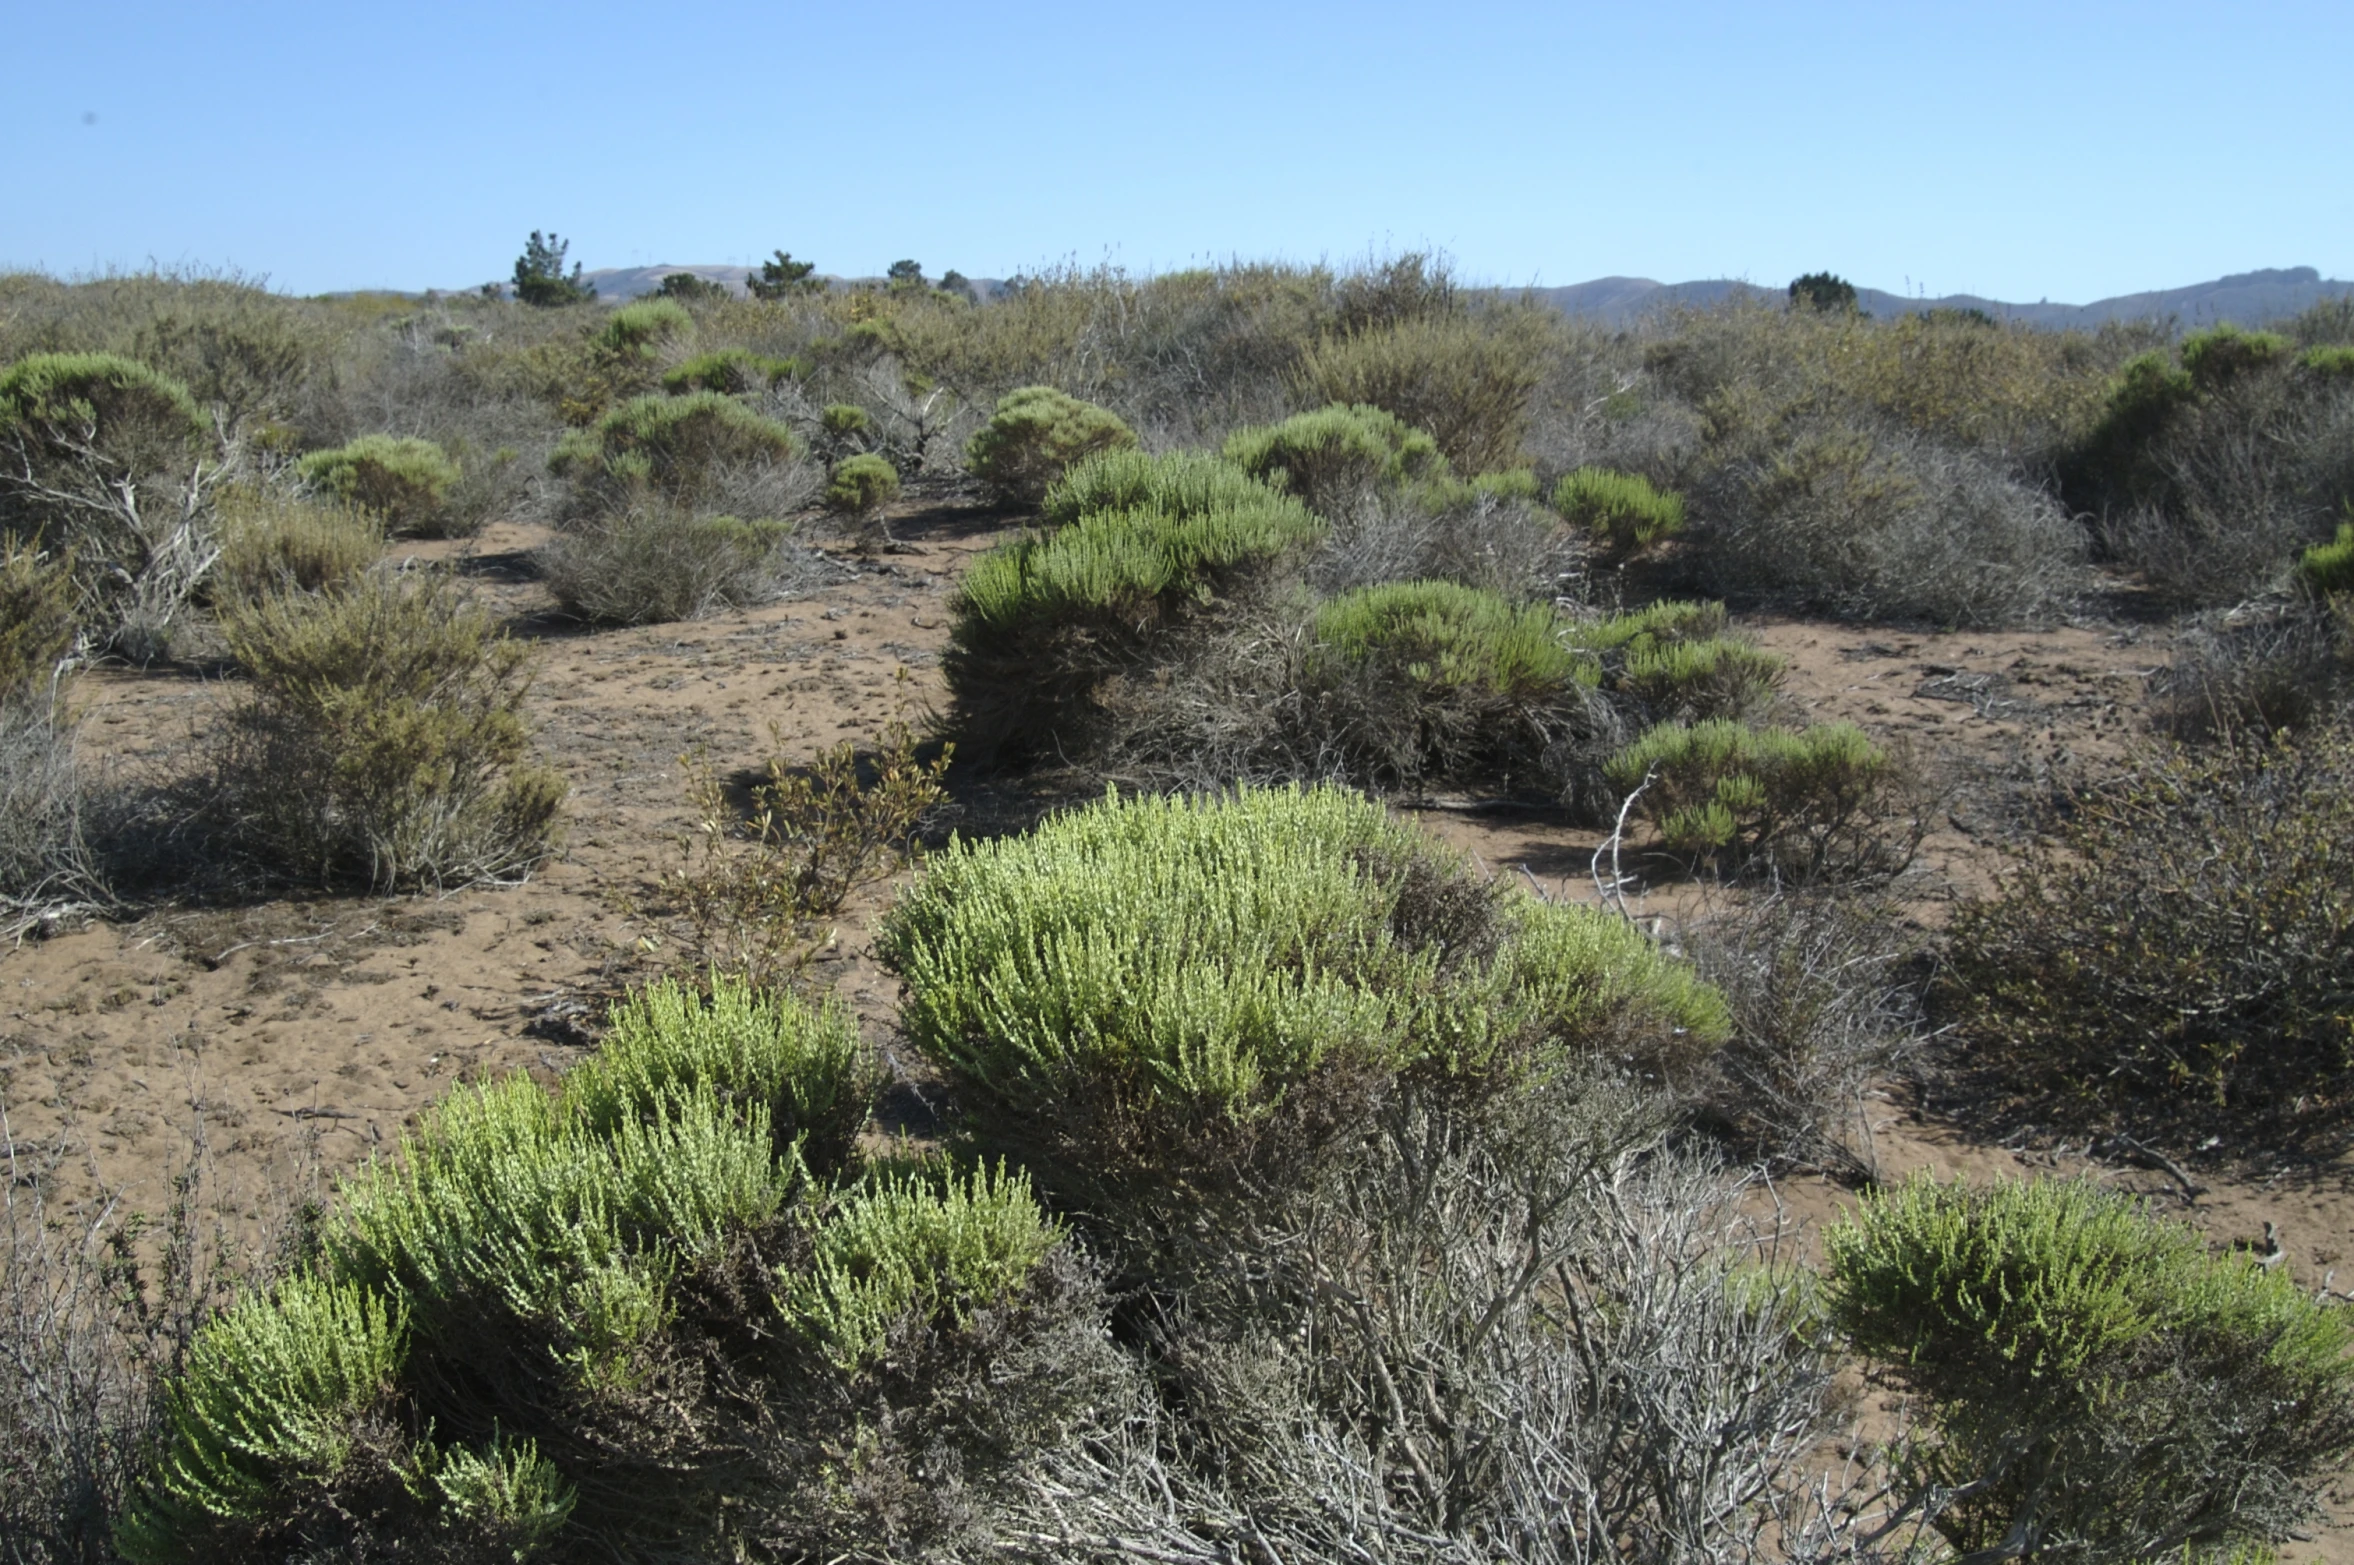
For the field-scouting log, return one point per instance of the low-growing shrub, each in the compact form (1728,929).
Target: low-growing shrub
(36,619)
(382,742)
(402,481)
(677,447)
(275,542)
(2328,363)
(2327,569)
(860,486)
(1149,997)
(653,562)
(2216,357)
(1182,483)
(1034,434)
(1815,803)
(2094,1383)
(729,371)
(1336,454)
(1620,510)
(1673,662)
(1041,625)
(639,329)
(1466,379)
(2177,951)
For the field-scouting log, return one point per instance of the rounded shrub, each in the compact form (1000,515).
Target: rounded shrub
(402,481)
(2178,952)
(729,371)
(1673,660)
(1173,994)
(2327,569)
(1807,803)
(1465,379)
(1033,435)
(675,446)
(2092,1379)
(1336,453)
(639,329)
(844,420)
(1621,510)
(1180,483)
(2216,357)
(68,408)
(861,485)
(623,1320)
(383,743)
(652,562)
(2330,363)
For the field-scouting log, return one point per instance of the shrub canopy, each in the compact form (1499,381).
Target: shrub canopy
(1034,434)
(1333,453)
(401,480)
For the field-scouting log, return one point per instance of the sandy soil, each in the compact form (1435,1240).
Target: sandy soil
(294,1038)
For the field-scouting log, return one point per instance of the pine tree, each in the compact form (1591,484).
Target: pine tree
(783,277)
(539,274)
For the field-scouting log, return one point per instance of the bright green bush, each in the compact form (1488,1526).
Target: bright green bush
(2093,1380)
(1443,635)
(1033,435)
(1181,483)
(674,446)
(2222,354)
(36,619)
(861,485)
(55,407)
(729,371)
(639,329)
(845,420)
(1465,379)
(1621,510)
(383,741)
(2328,568)
(402,481)
(2328,362)
(1806,803)
(1702,679)
(1335,453)
(1155,990)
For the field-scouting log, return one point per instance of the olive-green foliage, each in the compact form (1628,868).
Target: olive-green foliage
(2328,568)
(1033,435)
(640,329)
(2329,363)
(732,371)
(620,1319)
(808,1070)
(688,288)
(1336,453)
(1443,635)
(1160,989)
(2142,398)
(653,562)
(2221,354)
(1823,291)
(383,742)
(1466,379)
(401,480)
(1040,622)
(36,619)
(674,446)
(1673,660)
(2094,1381)
(272,541)
(2181,948)
(74,409)
(861,485)
(1181,483)
(1620,509)
(1806,803)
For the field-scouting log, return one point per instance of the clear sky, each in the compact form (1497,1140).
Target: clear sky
(2064,150)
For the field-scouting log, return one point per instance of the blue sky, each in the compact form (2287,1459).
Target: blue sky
(2062,150)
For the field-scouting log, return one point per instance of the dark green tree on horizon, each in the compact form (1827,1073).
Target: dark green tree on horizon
(1825,291)
(539,274)
(783,277)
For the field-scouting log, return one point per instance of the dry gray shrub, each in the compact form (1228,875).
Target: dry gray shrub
(1825,1003)
(2269,664)
(48,866)
(1506,546)
(656,562)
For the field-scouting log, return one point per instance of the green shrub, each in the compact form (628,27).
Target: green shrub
(62,410)
(1181,483)
(1034,434)
(1621,510)
(1466,380)
(653,562)
(845,420)
(1808,803)
(383,741)
(729,371)
(2179,949)
(1826,291)
(1040,623)
(1697,680)
(637,330)
(1443,635)
(807,1069)
(2222,354)
(674,446)
(36,619)
(402,481)
(2328,363)
(861,485)
(1335,454)
(2328,568)
(2094,1382)
(275,542)
(1145,994)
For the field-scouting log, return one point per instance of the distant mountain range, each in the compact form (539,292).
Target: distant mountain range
(2249,298)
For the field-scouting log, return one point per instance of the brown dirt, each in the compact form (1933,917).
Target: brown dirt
(301,1035)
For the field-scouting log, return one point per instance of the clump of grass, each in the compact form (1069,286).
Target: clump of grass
(402,481)
(1620,510)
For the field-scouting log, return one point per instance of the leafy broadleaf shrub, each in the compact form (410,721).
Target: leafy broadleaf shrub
(402,481)
(1818,802)
(622,1319)
(1465,379)
(1043,624)
(1335,454)
(1033,435)
(1160,995)
(2180,950)
(1621,510)
(383,742)
(275,542)
(675,446)
(652,562)
(729,371)
(2094,1383)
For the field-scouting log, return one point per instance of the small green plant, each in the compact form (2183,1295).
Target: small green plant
(639,330)
(674,446)
(1033,435)
(1442,635)
(401,480)
(2327,569)
(2095,1384)
(539,274)
(729,371)
(2330,362)
(383,742)
(1336,453)
(860,486)
(1620,510)
(1811,803)
(36,620)
(2216,357)
(1179,483)
(272,541)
